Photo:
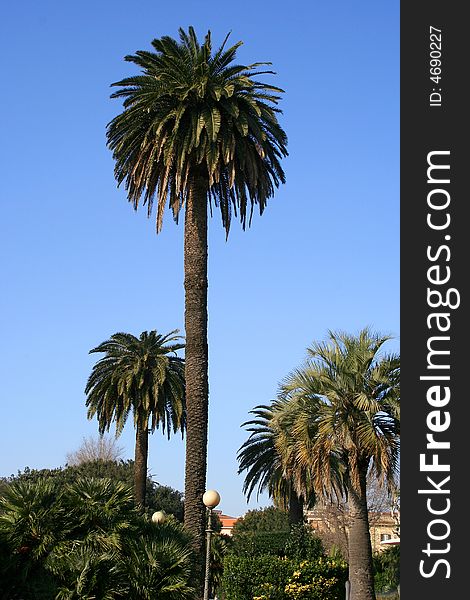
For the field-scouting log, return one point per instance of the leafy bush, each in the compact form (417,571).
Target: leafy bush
(267,531)
(263,519)
(303,544)
(256,543)
(261,576)
(387,569)
(322,579)
(274,578)
(300,543)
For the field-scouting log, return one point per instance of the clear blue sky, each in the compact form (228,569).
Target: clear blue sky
(78,264)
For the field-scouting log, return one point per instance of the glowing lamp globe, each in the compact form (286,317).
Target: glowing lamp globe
(158,517)
(211,498)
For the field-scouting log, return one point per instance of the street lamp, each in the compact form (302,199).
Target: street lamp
(211,499)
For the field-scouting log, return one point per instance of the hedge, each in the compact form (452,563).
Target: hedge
(276,578)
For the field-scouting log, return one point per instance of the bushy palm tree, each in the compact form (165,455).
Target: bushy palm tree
(155,567)
(349,427)
(86,574)
(100,514)
(32,523)
(142,376)
(85,540)
(99,508)
(115,553)
(197,128)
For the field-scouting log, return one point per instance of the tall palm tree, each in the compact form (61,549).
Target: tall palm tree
(142,376)
(349,425)
(265,464)
(197,128)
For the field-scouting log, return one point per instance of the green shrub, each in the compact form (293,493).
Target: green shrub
(303,544)
(262,519)
(387,569)
(275,578)
(322,579)
(245,577)
(256,543)
(299,543)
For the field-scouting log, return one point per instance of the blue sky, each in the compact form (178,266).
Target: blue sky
(78,264)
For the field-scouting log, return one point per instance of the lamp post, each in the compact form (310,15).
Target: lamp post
(211,499)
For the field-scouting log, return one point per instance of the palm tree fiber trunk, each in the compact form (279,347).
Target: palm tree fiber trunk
(360,549)
(196,368)
(140,464)
(296,509)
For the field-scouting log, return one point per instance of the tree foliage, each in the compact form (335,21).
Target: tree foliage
(263,519)
(349,421)
(268,531)
(261,457)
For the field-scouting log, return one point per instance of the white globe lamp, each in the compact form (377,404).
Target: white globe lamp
(211,499)
(159,516)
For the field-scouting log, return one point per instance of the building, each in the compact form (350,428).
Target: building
(382,531)
(227,522)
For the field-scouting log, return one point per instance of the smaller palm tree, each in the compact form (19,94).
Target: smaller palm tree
(348,429)
(264,464)
(142,376)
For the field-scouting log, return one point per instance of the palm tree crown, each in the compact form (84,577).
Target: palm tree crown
(138,375)
(193,113)
(259,458)
(352,410)
(264,458)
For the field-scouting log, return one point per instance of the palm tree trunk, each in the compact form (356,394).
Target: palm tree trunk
(360,550)
(196,367)
(140,464)
(296,509)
